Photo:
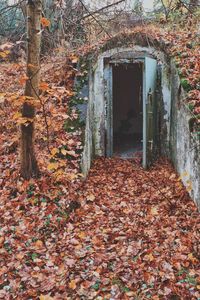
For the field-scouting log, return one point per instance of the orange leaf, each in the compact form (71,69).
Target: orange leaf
(32,66)
(71,153)
(192,258)
(149,257)
(45,22)
(23,79)
(54,151)
(44,86)
(1,240)
(46,297)
(4,54)
(17,115)
(131,294)
(39,244)
(20,256)
(91,197)
(52,166)
(74,59)
(64,152)
(82,235)
(154,211)
(70,176)
(72,284)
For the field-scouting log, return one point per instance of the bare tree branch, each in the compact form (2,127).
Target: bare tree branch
(9,7)
(103,8)
(91,15)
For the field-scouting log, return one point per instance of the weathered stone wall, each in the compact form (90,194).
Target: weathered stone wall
(177,142)
(184,146)
(88,152)
(165,106)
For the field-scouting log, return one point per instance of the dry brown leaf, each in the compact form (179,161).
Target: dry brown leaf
(72,284)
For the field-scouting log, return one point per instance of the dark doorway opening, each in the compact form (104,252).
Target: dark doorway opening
(127,110)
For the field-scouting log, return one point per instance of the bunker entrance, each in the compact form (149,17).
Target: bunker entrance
(130,114)
(128,110)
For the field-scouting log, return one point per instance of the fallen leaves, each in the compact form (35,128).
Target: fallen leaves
(91,197)
(23,79)
(64,159)
(54,151)
(39,244)
(53,166)
(44,86)
(154,211)
(113,236)
(149,257)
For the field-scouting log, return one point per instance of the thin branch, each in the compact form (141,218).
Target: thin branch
(91,15)
(8,7)
(165,8)
(43,108)
(186,7)
(103,8)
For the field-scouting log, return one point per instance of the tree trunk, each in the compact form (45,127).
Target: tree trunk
(29,167)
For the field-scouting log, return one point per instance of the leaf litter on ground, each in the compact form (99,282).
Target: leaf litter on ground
(124,233)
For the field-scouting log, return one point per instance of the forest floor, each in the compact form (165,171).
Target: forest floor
(124,233)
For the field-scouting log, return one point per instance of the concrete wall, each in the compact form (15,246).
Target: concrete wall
(165,105)
(184,146)
(176,141)
(87,154)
